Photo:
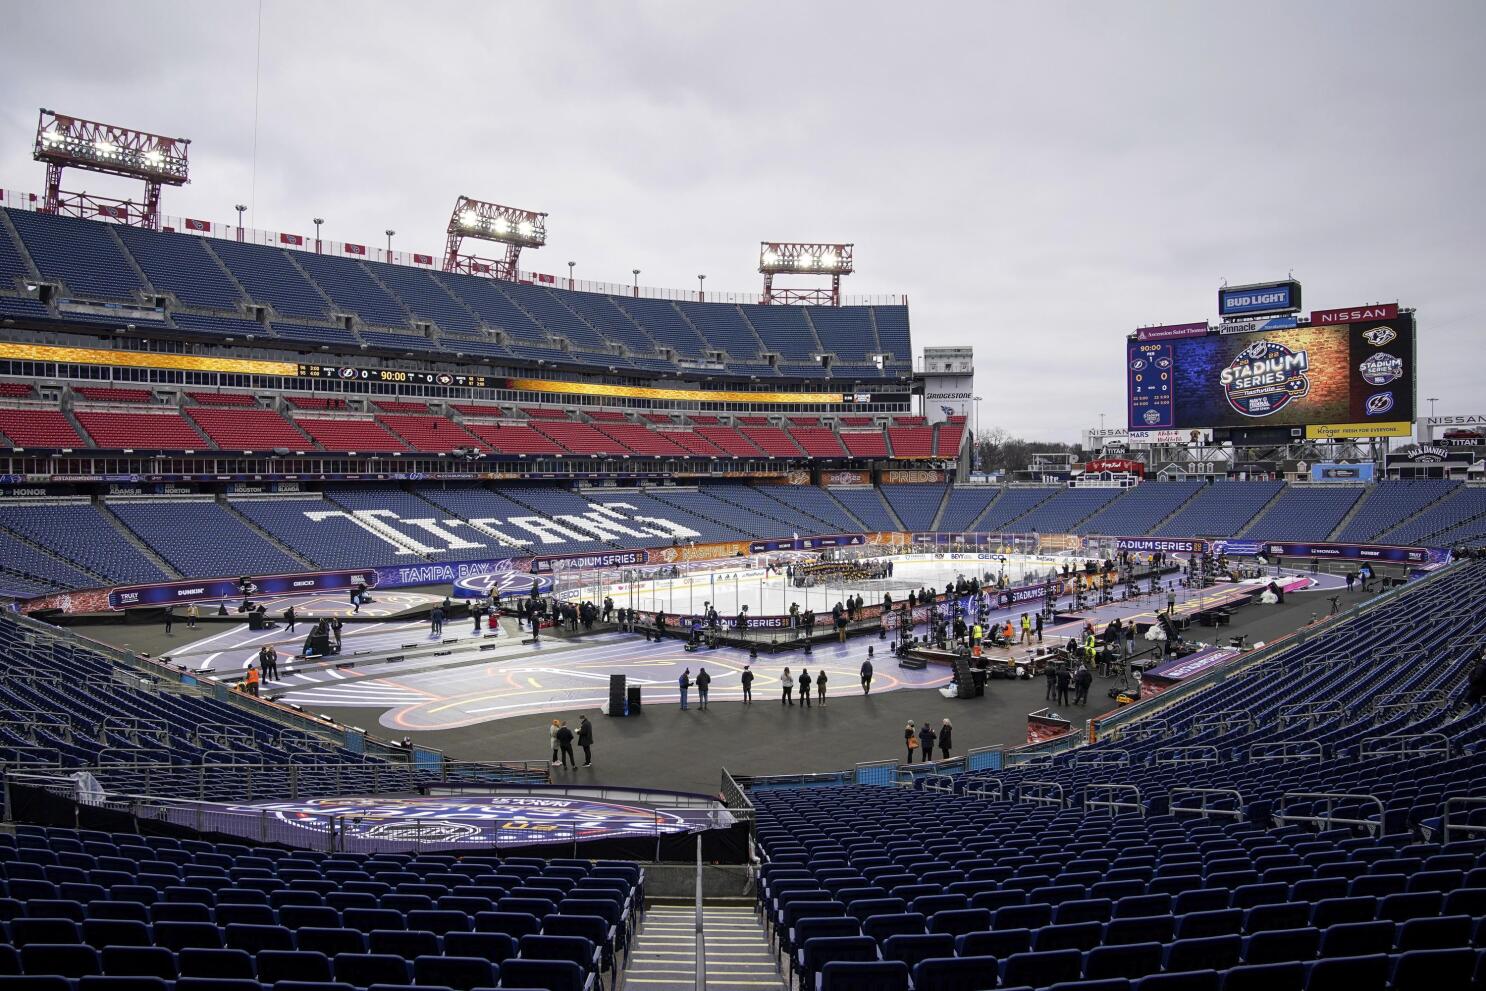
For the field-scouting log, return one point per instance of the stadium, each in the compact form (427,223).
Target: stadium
(324,563)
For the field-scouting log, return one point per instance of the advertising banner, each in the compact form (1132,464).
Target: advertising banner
(1170,331)
(1148,545)
(1347,552)
(1337,431)
(1357,376)
(1332,472)
(1270,297)
(408,575)
(1192,664)
(1355,314)
(1184,436)
(845,477)
(583,562)
(912,476)
(165,593)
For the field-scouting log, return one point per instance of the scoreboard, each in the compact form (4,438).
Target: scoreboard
(1336,380)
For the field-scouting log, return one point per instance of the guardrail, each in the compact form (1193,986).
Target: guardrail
(1205,809)
(1404,744)
(1288,750)
(1330,818)
(1447,826)
(1202,754)
(1111,789)
(1042,793)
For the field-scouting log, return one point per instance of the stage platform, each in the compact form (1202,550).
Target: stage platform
(479,817)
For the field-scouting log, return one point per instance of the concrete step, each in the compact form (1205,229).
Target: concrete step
(737,954)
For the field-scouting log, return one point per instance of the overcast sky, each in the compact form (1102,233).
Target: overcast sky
(1039,178)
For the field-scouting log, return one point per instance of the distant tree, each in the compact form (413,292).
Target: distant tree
(997,450)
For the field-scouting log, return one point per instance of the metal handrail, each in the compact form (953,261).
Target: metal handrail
(1331,798)
(1094,758)
(701,955)
(1204,809)
(1111,803)
(1209,755)
(1309,712)
(1223,720)
(1041,793)
(940,783)
(981,789)
(1461,800)
(1400,744)
(1288,750)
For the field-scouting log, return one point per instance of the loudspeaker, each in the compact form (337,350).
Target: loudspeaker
(964,679)
(616,694)
(634,700)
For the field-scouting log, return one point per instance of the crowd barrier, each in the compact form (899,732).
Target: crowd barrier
(514,575)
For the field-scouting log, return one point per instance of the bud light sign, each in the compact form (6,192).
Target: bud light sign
(1272,297)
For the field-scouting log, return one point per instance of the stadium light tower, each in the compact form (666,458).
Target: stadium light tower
(800,258)
(64,142)
(507,225)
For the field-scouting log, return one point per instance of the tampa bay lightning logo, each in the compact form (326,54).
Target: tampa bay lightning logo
(348,373)
(1381,368)
(1137,365)
(505,583)
(1378,336)
(1266,377)
(1379,403)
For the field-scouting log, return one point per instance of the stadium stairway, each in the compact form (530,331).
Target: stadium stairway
(943,505)
(663,953)
(144,549)
(71,416)
(284,548)
(1156,527)
(892,513)
(1346,520)
(1259,514)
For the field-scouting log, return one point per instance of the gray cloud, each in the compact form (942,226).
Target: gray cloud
(1039,178)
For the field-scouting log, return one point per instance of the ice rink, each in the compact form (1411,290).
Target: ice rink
(768,594)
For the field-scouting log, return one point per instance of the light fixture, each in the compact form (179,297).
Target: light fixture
(467,217)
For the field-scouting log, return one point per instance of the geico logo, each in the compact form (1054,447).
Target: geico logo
(305,583)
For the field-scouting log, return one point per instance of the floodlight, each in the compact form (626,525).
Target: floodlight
(802,258)
(64,142)
(515,228)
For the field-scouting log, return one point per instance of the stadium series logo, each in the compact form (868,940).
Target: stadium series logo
(1381,368)
(478,819)
(1265,377)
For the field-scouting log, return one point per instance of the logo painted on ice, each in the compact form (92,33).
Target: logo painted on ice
(1265,377)
(1379,403)
(1381,368)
